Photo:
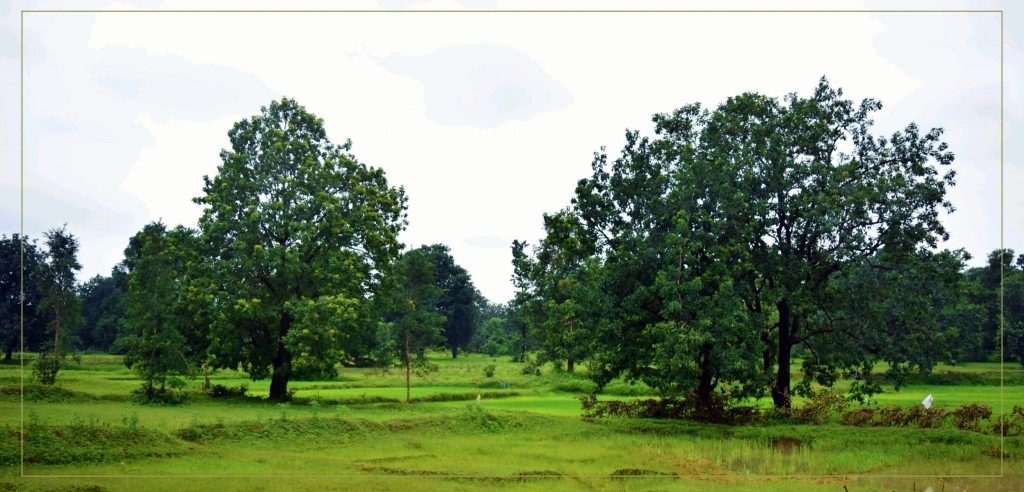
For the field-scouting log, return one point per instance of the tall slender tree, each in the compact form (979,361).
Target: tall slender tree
(60,302)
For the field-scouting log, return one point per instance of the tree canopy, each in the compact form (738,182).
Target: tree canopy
(299,233)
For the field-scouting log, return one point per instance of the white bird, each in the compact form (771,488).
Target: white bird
(928,402)
(478,399)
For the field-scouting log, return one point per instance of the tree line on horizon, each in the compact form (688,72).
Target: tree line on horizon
(703,261)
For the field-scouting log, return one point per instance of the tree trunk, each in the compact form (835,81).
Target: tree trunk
(408,363)
(206,377)
(705,382)
(8,353)
(780,390)
(282,363)
(570,365)
(455,351)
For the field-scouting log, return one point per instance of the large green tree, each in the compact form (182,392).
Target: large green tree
(299,232)
(812,192)
(722,239)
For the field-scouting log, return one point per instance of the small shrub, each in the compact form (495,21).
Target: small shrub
(489,370)
(894,417)
(968,417)
(820,406)
(858,417)
(159,396)
(221,391)
(592,408)
(46,367)
(531,367)
(1011,424)
(929,418)
(743,415)
(575,386)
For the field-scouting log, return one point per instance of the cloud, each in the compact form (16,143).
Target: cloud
(481,84)
(99,121)
(488,242)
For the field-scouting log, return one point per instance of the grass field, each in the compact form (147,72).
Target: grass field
(526,433)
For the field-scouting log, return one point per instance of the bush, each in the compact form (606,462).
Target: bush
(929,417)
(531,367)
(221,391)
(894,417)
(153,394)
(968,417)
(1010,425)
(820,406)
(651,408)
(46,367)
(489,370)
(858,417)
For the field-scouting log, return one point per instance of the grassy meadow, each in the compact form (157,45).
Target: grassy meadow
(356,432)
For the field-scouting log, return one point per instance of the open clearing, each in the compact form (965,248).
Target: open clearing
(354,432)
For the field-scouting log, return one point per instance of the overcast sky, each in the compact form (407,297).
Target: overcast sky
(486,119)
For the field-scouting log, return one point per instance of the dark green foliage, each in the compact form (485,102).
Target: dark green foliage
(489,370)
(102,310)
(300,234)
(458,300)
(704,258)
(494,338)
(1013,307)
(11,259)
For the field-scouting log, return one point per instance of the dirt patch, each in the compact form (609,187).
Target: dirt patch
(640,472)
(386,459)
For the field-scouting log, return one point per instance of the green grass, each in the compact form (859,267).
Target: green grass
(526,433)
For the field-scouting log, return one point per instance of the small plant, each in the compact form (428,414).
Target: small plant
(159,396)
(858,417)
(221,391)
(131,422)
(489,370)
(894,417)
(46,367)
(531,367)
(929,417)
(1011,424)
(820,407)
(969,417)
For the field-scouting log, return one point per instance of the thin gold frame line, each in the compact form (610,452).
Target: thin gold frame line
(553,11)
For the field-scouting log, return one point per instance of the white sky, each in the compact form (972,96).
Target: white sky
(487,119)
